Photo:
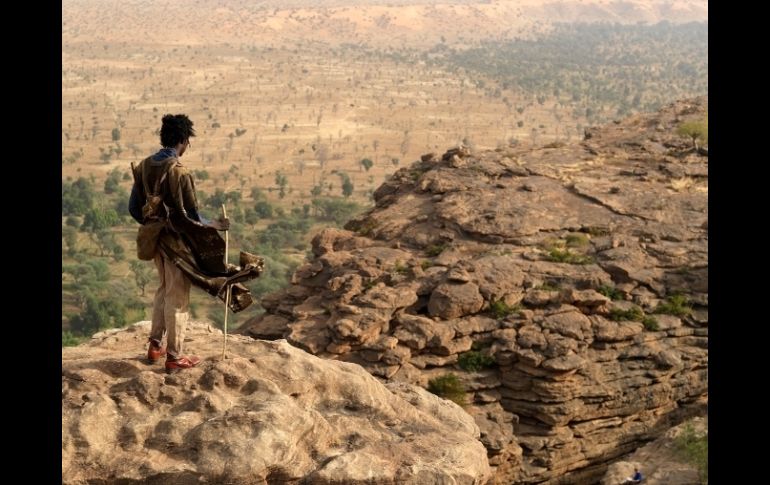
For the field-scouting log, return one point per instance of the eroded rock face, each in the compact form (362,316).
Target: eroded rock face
(553,262)
(269,413)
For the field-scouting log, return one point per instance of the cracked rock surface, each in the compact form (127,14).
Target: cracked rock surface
(269,413)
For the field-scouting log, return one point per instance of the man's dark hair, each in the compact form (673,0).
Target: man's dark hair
(176,129)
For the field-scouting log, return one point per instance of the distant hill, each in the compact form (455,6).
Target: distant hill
(386,23)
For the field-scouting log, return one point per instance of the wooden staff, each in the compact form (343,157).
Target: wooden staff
(227,297)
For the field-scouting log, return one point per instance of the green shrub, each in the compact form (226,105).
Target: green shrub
(676,305)
(610,292)
(415,174)
(650,324)
(694,449)
(501,309)
(369,284)
(634,313)
(68,339)
(435,249)
(577,240)
(400,268)
(473,361)
(557,255)
(448,386)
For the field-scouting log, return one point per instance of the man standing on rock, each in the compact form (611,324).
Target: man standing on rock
(162,175)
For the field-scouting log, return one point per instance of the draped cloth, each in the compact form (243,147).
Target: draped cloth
(199,252)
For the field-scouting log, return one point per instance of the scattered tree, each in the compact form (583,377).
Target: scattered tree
(695,130)
(142,273)
(347,187)
(263,209)
(281,181)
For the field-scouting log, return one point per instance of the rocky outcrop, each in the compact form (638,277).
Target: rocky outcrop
(571,279)
(269,413)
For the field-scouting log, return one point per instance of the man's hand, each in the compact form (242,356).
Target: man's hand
(220,224)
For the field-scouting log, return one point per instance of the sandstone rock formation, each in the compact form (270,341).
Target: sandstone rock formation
(580,270)
(269,413)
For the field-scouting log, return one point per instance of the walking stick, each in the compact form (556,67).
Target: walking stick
(227,296)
